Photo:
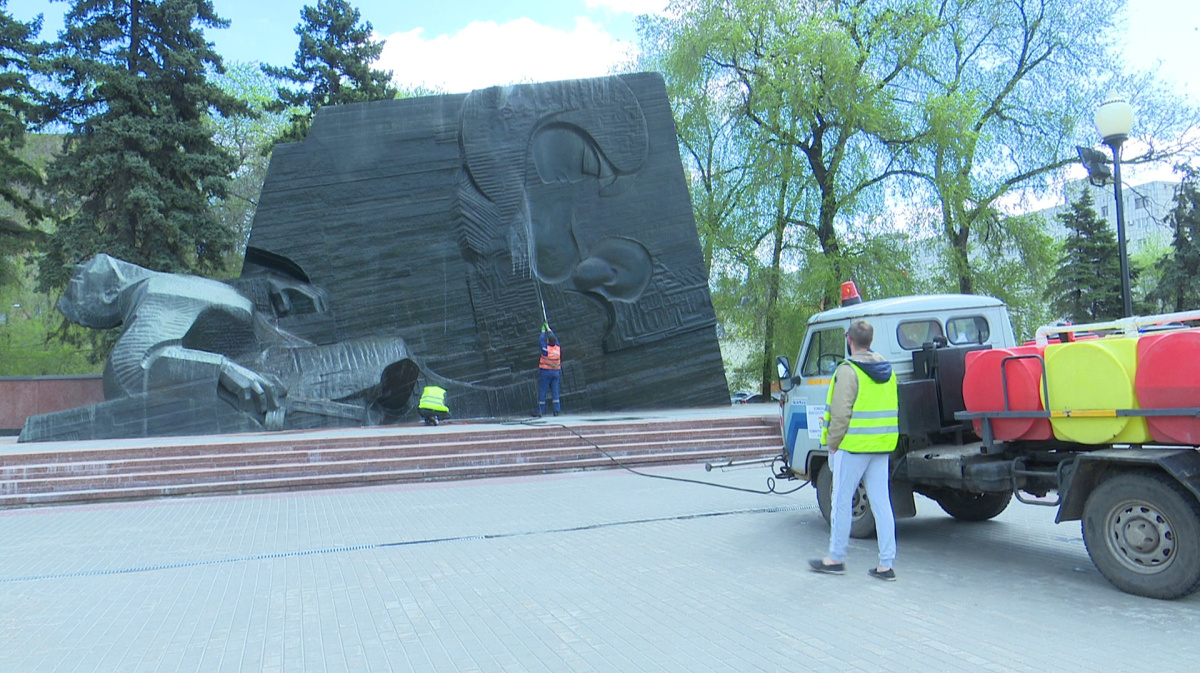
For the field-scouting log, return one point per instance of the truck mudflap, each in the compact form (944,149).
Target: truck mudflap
(1092,467)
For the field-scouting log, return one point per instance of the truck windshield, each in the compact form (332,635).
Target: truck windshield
(826,349)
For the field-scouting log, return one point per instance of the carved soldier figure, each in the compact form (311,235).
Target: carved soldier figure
(196,356)
(174,328)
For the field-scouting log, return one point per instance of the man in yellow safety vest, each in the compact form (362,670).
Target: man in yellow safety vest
(860,430)
(433,407)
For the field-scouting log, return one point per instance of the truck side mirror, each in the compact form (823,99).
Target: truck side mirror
(783,369)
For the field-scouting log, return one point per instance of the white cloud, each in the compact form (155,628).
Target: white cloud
(1162,37)
(485,53)
(629,6)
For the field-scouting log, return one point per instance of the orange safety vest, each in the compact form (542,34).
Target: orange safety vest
(552,359)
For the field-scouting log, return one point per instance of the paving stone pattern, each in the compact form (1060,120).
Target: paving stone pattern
(595,571)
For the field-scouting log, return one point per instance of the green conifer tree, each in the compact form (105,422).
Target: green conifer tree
(139,169)
(1179,288)
(1087,285)
(19,181)
(332,65)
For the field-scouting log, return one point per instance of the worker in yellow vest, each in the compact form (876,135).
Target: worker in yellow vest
(433,407)
(860,430)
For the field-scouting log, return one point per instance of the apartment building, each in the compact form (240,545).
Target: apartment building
(1146,209)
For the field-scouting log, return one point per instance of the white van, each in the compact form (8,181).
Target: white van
(903,325)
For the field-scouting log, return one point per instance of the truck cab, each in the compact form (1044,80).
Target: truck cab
(903,326)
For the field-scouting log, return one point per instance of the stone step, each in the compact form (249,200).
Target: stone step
(253,477)
(244,466)
(19,464)
(51,471)
(344,480)
(35,474)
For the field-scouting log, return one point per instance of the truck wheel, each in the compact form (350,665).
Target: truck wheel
(862,521)
(1142,530)
(967,506)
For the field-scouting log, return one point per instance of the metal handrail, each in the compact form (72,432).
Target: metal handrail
(1127,326)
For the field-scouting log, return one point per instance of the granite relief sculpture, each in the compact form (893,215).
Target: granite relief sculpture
(424,241)
(452,220)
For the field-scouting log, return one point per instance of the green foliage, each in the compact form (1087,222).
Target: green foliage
(1087,285)
(819,129)
(140,168)
(332,66)
(1000,88)
(28,353)
(712,144)
(19,180)
(1014,256)
(248,138)
(804,127)
(1148,264)
(1178,288)
(788,128)
(28,320)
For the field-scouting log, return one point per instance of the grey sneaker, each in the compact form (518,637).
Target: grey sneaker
(820,566)
(888,575)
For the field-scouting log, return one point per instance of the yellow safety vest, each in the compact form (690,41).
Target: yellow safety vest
(433,398)
(874,419)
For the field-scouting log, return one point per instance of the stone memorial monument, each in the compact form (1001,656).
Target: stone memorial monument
(426,241)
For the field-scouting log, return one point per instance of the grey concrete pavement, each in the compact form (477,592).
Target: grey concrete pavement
(596,571)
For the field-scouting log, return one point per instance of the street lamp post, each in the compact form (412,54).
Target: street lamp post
(1114,121)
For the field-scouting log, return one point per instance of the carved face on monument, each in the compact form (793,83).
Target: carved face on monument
(93,294)
(617,269)
(546,158)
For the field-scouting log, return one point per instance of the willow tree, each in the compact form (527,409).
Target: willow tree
(818,121)
(248,137)
(1005,90)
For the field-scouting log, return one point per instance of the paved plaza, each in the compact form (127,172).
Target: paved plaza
(591,571)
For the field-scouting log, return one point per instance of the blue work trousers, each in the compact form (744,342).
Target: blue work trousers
(548,382)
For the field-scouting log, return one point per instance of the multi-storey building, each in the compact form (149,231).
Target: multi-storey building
(1146,209)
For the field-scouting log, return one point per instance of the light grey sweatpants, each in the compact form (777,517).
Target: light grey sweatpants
(872,470)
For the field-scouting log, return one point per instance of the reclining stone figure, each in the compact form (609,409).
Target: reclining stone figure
(174,328)
(196,356)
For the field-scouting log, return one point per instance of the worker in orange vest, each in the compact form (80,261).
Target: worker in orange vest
(549,370)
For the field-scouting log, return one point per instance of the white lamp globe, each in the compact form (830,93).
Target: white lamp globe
(1114,120)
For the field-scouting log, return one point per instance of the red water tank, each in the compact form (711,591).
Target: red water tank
(984,387)
(1168,377)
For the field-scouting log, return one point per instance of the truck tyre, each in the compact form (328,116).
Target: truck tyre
(1142,530)
(967,506)
(862,521)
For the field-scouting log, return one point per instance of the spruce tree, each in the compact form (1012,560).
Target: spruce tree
(332,66)
(19,181)
(1087,285)
(1179,288)
(139,170)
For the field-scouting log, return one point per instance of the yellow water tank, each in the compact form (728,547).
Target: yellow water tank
(1094,375)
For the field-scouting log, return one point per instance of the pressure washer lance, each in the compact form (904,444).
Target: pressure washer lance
(537,287)
(708,467)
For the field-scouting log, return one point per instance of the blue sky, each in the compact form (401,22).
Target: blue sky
(454,45)
(458,45)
